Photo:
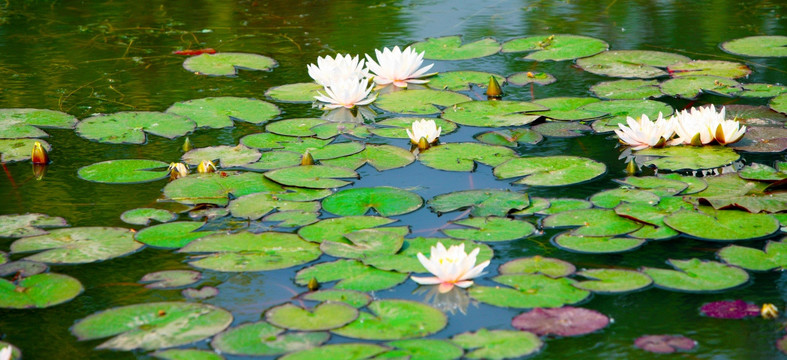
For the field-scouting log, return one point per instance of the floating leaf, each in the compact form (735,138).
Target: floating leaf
(216,188)
(568,108)
(627,89)
(561,129)
(271,160)
(763,140)
(463,156)
(695,184)
(381,157)
(735,309)
(563,321)
(219,112)
(721,68)
(227,63)
(591,222)
(613,197)
(760,46)
(761,91)
(30,224)
(543,206)
(21,268)
(418,102)
(779,103)
(355,299)
(529,291)
(287,143)
(334,229)
(206,292)
(298,92)
(153,326)
(690,86)
(78,245)
(774,256)
(263,339)
(556,47)
(142,216)
(664,344)
(295,218)
(325,316)
(227,156)
(38,291)
(321,128)
(255,206)
(187,354)
(130,127)
(424,349)
(772,202)
(172,235)
(406,259)
(613,280)
(653,217)
(346,351)
(538,265)
(25,123)
(170,279)
(392,319)
(697,276)
(493,113)
(451,48)
(312,176)
(351,274)
(462,80)
(631,63)
(498,344)
(596,244)
(619,110)
(12,150)
(531,77)
(395,127)
(674,158)
(550,170)
(661,186)
(510,137)
(364,243)
(757,171)
(386,201)
(723,225)
(491,229)
(483,202)
(124,171)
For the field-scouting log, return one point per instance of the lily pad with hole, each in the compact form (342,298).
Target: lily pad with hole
(569,108)
(674,158)
(143,216)
(220,112)
(529,291)
(364,244)
(482,202)
(493,113)
(255,206)
(26,123)
(393,319)
(78,245)
(380,157)
(216,188)
(423,349)
(763,140)
(760,46)
(171,235)
(611,198)
(664,344)
(227,156)
(596,244)
(12,150)
(187,354)
(263,339)
(642,64)
(608,281)
(531,77)
(550,170)
(351,275)
(733,309)
(170,279)
(325,316)
(723,225)
(406,260)
(345,351)
(695,275)
(772,257)
(463,156)
(538,265)
(152,326)
(245,251)
(561,129)
(386,201)
(462,80)
(30,224)
(227,63)
(556,47)
(491,228)
(510,137)
(619,110)
(728,69)
(691,86)
(38,291)
(124,171)
(418,102)
(498,344)
(132,127)
(395,127)
(627,89)
(312,176)
(563,321)
(355,299)
(451,48)
(334,229)
(592,222)
(295,93)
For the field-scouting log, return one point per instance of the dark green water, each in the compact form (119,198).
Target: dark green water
(87,57)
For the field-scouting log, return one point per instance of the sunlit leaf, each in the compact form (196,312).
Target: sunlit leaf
(227,64)
(131,127)
(451,48)
(220,112)
(556,47)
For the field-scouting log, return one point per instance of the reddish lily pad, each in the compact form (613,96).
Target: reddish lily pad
(730,309)
(563,321)
(761,139)
(664,344)
(529,291)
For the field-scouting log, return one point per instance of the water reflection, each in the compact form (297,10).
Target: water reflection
(452,301)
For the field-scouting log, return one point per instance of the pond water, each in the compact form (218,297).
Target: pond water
(86,58)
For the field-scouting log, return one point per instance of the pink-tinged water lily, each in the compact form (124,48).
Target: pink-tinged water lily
(728,131)
(329,71)
(450,267)
(643,133)
(5,353)
(347,93)
(697,126)
(398,67)
(424,129)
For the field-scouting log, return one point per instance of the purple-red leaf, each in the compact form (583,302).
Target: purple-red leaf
(732,309)
(664,344)
(563,321)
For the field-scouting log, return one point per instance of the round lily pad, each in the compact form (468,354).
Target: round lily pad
(728,69)
(761,90)
(618,112)
(255,206)
(142,216)
(124,171)
(38,291)
(483,202)
(491,229)
(592,222)
(418,102)
(364,243)
(153,326)
(22,268)
(187,354)
(227,64)
(563,321)
(298,145)
(131,127)
(551,170)
(227,156)
(170,279)
(451,48)
(12,150)
(531,77)
(294,127)
(493,113)
(30,224)
(498,344)
(627,89)
(674,158)
(695,275)
(334,229)
(510,138)
(773,256)
(462,80)
(569,108)
(596,244)
(171,235)
(386,201)
(733,309)
(641,64)
(392,319)
(25,123)
(660,186)
(664,344)
(529,291)
(406,260)
(613,280)
(263,339)
(760,46)
(380,157)
(463,156)
(690,86)
(538,265)
(219,112)
(325,316)
(346,351)
(78,245)
(723,225)
(424,349)
(355,299)
(298,92)
(556,47)
(352,275)
(312,176)
(271,160)
(542,206)
(561,129)
(217,188)
(613,197)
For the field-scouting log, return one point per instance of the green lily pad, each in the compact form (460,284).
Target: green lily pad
(334,229)
(529,291)
(255,206)
(321,128)
(640,64)
(591,222)
(153,326)
(550,170)
(227,156)
(728,185)
(763,140)
(130,127)
(531,77)
(294,93)
(355,299)
(325,316)
(761,90)
(205,292)
(12,150)
(653,217)
(22,268)
(491,229)
(462,80)
(392,319)
(721,68)
(723,225)
(78,245)
(596,244)
(395,127)
(661,186)
(124,171)
(227,64)
(406,260)
(216,189)
(245,251)
(568,108)
(423,349)
(761,172)
(219,112)
(352,275)
(498,344)
(451,48)
(483,202)
(271,160)
(187,354)
(538,265)
(263,339)
(142,216)
(346,351)
(695,184)
(463,156)
(170,279)
(760,46)
(562,129)
(556,47)
(695,275)
(510,137)
(364,243)
(418,102)
(627,89)
(771,202)
(542,206)
(613,197)
(493,113)
(173,235)
(30,224)
(38,291)
(779,103)
(386,201)
(608,281)
(690,86)
(293,218)
(674,158)
(312,176)
(772,257)
(619,110)
(25,123)
(381,157)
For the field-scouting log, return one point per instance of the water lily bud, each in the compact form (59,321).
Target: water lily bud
(493,90)
(206,166)
(177,170)
(187,145)
(530,75)
(40,155)
(307,158)
(769,311)
(313,285)
(39,170)
(423,144)
(631,167)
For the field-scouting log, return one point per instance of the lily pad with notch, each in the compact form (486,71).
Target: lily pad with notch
(557,47)
(760,46)
(30,224)
(38,291)
(325,316)
(270,141)
(312,176)
(451,48)
(463,156)
(728,69)
(538,264)
(130,171)
(355,299)
(696,275)
(773,256)
(393,319)
(462,80)
(143,216)
(561,129)
(596,244)
(569,108)
(613,281)
(219,112)
(531,77)
(423,349)
(132,127)
(418,102)
(78,245)
(762,90)
(365,243)
(172,235)
(653,216)
(661,186)
(227,156)
(295,93)
(384,200)
(498,344)
(227,63)
(723,225)
(641,64)
(627,89)
(619,110)
(675,158)
(691,86)
(493,113)
(491,228)
(529,291)
(380,157)
(611,198)
(695,184)
(482,202)
(550,170)
(351,275)
(592,222)
(272,160)
(26,123)
(563,321)
(217,188)
(255,206)
(510,137)
(334,229)
(264,339)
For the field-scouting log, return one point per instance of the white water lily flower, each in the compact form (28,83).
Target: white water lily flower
(347,93)
(424,129)
(450,267)
(329,71)
(5,353)
(398,67)
(643,133)
(728,131)
(697,125)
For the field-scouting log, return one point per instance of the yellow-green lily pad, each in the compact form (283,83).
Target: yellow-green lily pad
(695,275)
(131,127)
(592,222)
(38,291)
(529,291)
(30,224)
(78,245)
(345,351)
(219,112)
(451,48)
(418,102)
(172,235)
(325,316)
(131,171)
(772,257)
(483,202)
(351,275)
(607,281)
(493,113)
(538,265)
(551,170)
(312,176)
(642,64)
(264,339)
(596,244)
(392,319)
(26,123)
(227,63)
(627,89)
(498,344)
(386,201)
(760,46)
(723,225)
(462,80)
(294,93)
(463,156)
(556,47)
(491,229)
